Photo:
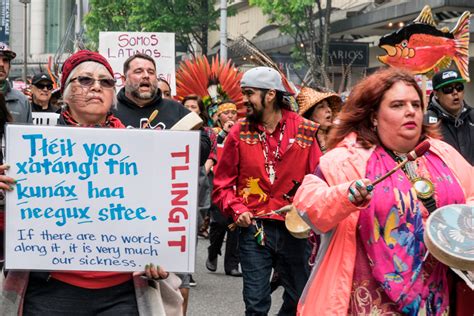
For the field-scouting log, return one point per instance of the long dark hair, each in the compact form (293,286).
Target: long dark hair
(202,111)
(364,101)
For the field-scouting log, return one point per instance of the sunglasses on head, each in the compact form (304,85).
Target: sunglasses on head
(41,86)
(89,81)
(449,89)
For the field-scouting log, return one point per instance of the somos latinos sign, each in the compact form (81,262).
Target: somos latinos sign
(118,46)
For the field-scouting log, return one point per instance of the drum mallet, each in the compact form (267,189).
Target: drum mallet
(416,153)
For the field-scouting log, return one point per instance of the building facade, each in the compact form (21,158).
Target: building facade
(352,22)
(52,26)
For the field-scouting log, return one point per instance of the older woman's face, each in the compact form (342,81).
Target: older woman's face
(400,117)
(322,114)
(90,104)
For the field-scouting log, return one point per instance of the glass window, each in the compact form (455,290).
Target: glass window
(58,15)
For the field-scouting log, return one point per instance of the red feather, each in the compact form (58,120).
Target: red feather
(192,77)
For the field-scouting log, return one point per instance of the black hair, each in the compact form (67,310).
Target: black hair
(279,99)
(202,111)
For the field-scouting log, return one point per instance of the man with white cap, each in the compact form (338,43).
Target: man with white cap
(263,155)
(17,103)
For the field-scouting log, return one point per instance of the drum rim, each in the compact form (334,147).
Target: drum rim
(439,251)
(302,234)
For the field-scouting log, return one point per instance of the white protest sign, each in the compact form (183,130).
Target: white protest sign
(118,46)
(97,199)
(45,118)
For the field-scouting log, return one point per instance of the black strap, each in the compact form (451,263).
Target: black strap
(429,203)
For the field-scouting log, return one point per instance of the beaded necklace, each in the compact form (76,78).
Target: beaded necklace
(270,164)
(419,177)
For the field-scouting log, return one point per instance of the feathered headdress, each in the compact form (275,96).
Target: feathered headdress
(213,83)
(243,47)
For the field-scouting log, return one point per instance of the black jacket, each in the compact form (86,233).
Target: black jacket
(51,109)
(457,131)
(169,112)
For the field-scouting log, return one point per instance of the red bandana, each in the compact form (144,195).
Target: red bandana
(111,121)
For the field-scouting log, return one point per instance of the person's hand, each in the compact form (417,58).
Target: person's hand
(154,272)
(227,126)
(358,193)
(27,92)
(208,165)
(244,220)
(6,183)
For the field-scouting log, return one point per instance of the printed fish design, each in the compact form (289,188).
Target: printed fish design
(421,48)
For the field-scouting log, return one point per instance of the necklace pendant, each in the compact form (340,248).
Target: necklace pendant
(271,173)
(424,187)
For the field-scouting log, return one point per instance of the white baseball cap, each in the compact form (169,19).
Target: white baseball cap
(263,78)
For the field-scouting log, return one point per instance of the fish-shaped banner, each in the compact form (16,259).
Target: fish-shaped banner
(422,48)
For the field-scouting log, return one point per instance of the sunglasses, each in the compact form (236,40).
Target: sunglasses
(88,82)
(41,86)
(449,89)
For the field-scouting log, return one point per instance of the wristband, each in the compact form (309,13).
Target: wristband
(223,133)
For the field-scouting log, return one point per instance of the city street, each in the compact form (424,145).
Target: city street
(217,293)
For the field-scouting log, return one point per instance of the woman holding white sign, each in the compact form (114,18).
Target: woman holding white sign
(4,118)
(89,93)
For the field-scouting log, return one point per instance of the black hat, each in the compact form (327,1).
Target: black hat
(41,77)
(446,77)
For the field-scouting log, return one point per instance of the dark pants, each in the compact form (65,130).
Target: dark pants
(48,296)
(287,254)
(217,231)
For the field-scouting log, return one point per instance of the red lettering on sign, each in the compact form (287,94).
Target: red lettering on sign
(179,196)
(178,215)
(174,217)
(184,154)
(179,243)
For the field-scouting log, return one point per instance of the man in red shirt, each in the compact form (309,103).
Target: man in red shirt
(263,154)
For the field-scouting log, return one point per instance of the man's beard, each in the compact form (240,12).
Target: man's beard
(256,116)
(3,76)
(133,89)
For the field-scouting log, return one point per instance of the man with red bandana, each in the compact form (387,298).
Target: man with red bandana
(262,156)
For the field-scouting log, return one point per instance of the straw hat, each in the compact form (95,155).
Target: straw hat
(308,98)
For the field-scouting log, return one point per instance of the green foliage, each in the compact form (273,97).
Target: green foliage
(280,8)
(288,15)
(304,21)
(188,19)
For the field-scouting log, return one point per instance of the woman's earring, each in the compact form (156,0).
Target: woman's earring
(375,127)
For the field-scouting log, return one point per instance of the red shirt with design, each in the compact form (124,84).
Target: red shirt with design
(242,181)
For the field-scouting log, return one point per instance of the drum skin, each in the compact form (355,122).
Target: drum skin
(296,225)
(449,236)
